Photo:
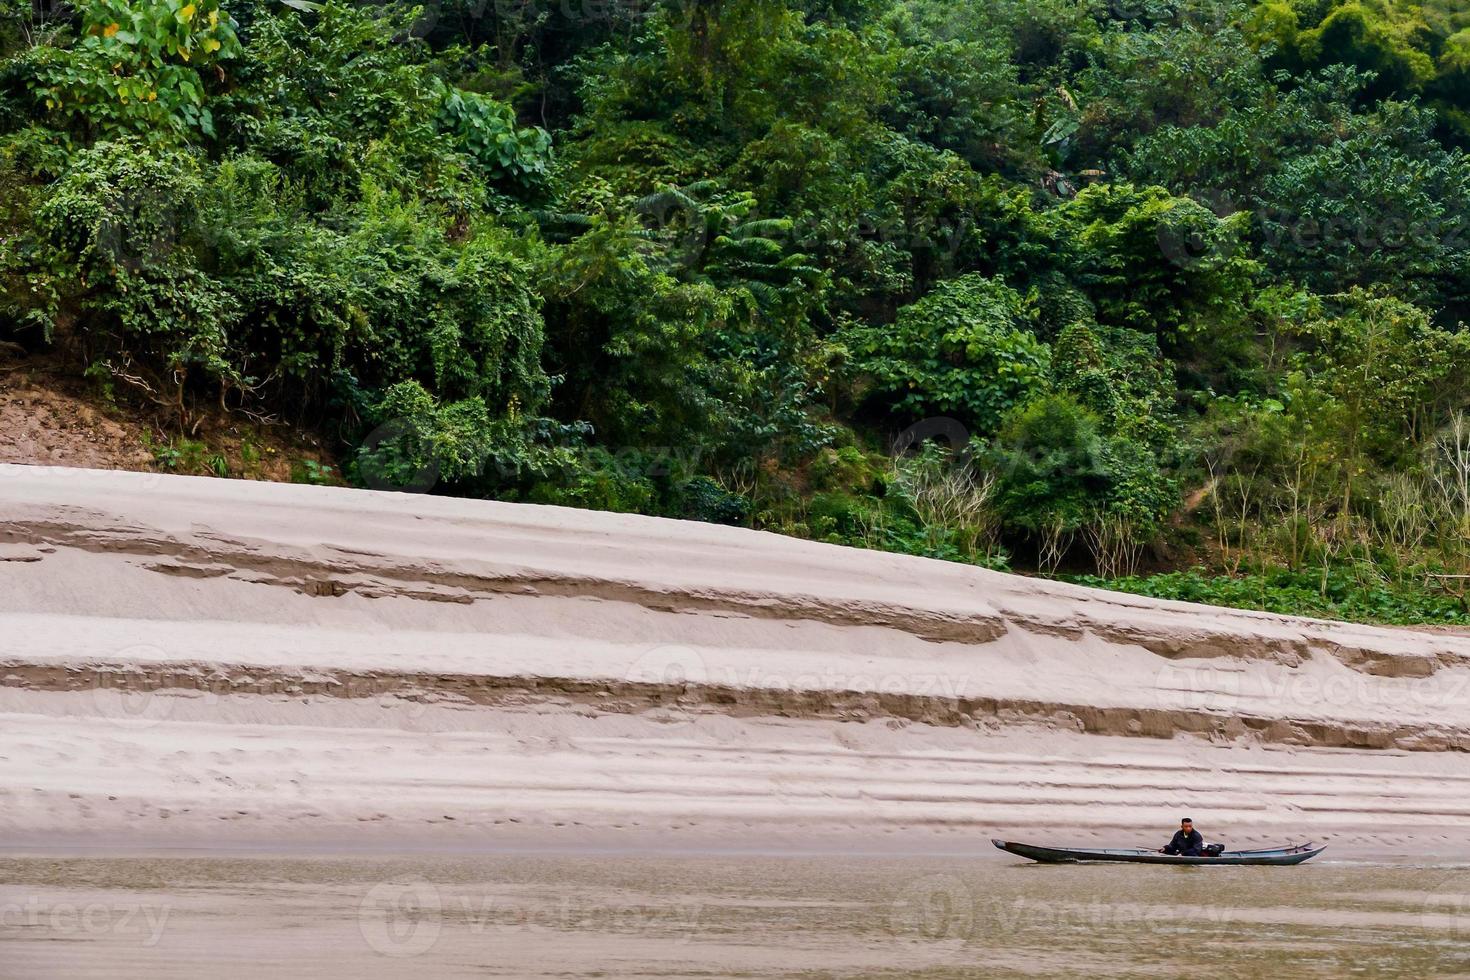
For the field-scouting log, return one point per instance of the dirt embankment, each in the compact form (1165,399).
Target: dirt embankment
(50,417)
(270,661)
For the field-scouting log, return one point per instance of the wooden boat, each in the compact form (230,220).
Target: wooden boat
(1295,854)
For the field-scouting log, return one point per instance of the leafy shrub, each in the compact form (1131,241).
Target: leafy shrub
(139,67)
(114,236)
(486,129)
(845,518)
(1155,262)
(596,480)
(1332,593)
(962,350)
(705,500)
(313,472)
(424,438)
(844,468)
(1061,475)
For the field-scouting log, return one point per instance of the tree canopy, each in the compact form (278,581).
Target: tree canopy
(1178,280)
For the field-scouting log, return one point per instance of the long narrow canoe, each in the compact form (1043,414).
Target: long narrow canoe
(1060,855)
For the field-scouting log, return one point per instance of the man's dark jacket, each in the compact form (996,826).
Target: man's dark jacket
(1189,844)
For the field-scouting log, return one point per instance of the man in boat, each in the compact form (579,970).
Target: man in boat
(1187,841)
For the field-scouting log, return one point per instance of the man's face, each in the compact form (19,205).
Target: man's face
(1186,826)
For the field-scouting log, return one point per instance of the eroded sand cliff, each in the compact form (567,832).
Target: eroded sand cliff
(201,661)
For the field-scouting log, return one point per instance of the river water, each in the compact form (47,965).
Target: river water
(620,915)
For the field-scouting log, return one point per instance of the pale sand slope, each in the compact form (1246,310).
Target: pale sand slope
(207,662)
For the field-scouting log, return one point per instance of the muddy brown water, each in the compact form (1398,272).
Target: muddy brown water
(627,915)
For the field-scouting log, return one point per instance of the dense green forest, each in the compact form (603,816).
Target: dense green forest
(1165,292)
